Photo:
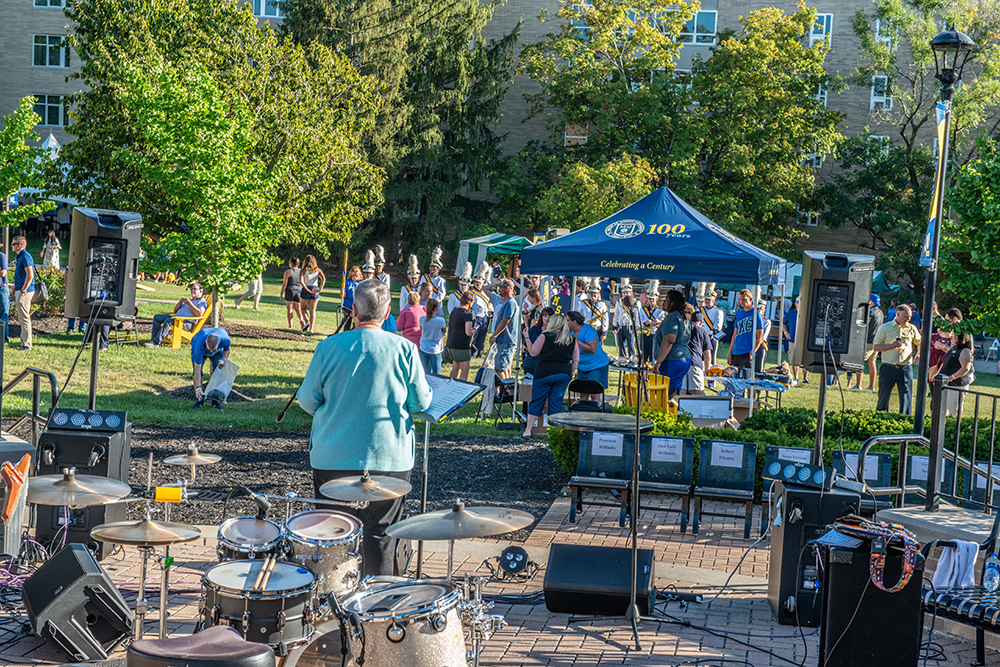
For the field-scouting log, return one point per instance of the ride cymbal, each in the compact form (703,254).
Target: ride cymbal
(365,487)
(460,523)
(192,458)
(73,491)
(146,533)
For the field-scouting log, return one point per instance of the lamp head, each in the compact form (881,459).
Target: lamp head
(954,49)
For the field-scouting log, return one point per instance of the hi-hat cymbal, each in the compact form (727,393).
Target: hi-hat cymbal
(145,533)
(73,491)
(192,458)
(366,487)
(460,523)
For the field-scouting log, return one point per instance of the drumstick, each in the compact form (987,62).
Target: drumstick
(260,574)
(267,575)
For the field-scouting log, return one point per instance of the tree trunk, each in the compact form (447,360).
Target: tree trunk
(216,307)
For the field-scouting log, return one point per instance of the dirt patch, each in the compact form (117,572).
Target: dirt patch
(186,393)
(57,325)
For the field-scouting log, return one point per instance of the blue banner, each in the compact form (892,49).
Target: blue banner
(927,252)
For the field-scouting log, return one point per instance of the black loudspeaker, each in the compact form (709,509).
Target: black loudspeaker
(103,265)
(73,605)
(833,311)
(801,515)
(91,451)
(862,624)
(597,580)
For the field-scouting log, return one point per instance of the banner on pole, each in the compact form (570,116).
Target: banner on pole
(343,281)
(927,252)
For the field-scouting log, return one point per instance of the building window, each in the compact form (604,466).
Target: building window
(822,29)
(700,29)
(50,51)
(52,109)
(806,218)
(821,95)
(880,143)
(49,3)
(814,159)
(886,34)
(266,9)
(881,98)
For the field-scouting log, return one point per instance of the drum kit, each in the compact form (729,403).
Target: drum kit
(297,585)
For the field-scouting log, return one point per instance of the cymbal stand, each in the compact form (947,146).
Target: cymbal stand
(166,561)
(141,603)
(451,558)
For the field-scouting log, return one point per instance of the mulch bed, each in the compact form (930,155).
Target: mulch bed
(57,325)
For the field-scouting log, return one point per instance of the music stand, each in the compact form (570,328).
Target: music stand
(632,614)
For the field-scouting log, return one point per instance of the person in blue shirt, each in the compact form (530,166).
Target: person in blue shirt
(791,325)
(24,287)
(748,333)
(212,344)
(507,321)
(915,319)
(362,388)
(594,360)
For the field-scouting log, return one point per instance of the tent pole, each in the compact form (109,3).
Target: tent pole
(517,354)
(781,323)
(753,346)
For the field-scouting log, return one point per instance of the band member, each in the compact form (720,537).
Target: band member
(650,316)
(624,333)
(455,298)
(368,268)
(715,318)
(379,265)
(482,307)
(436,281)
(595,311)
(580,294)
(413,286)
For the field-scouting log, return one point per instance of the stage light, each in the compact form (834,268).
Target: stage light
(513,560)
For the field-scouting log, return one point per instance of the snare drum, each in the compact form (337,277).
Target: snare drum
(414,623)
(329,544)
(281,613)
(247,537)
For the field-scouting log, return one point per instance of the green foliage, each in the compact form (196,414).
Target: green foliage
(729,140)
(565,447)
(307,108)
(583,195)
(20,165)
(442,85)
(970,246)
(53,279)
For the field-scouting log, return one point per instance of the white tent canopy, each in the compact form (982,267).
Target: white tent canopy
(475,250)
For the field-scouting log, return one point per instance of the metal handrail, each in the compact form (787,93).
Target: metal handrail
(36,418)
(904,441)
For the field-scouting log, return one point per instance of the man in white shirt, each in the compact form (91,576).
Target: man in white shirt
(624,333)
(455,298)
(595,311)
(715,319)
(436,281)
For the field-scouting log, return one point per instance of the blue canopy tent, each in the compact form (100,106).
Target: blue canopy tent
(660,236)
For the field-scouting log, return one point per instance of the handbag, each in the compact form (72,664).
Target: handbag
(881,534)
(41,293)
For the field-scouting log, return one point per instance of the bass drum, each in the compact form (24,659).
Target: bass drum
(248,537)
(324,649)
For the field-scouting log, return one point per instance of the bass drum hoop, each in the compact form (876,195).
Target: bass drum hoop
(439,605)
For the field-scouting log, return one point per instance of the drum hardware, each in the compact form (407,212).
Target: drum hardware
(366,487)
(192,458)
(481,625)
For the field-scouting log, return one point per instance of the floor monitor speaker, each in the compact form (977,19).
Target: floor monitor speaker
(585,580)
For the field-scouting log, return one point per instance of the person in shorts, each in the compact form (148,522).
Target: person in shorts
(507,323)
(291,288)
(748,333)
(460,333)
(700,345)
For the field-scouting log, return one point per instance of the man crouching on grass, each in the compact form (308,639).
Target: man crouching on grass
(212,344)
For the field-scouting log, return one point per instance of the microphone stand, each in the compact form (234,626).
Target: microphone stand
(632,614)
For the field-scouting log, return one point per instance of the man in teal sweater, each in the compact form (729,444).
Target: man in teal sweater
(361,388)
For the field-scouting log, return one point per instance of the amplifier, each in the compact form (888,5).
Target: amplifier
(597,580)
(794,472)
(88,420)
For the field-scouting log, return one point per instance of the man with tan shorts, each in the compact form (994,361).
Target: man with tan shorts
(24,287)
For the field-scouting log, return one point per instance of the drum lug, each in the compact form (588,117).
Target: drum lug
(246,623)
(281,620)
(353,576)
(439,622)
(395,633)
(216,613)
(355,554)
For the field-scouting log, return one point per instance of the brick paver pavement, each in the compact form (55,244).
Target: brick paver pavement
(533,637)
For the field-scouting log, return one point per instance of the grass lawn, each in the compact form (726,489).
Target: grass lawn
(270,370)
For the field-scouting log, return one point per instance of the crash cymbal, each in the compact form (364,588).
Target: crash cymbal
(75,491)
(192,458)
(145,533)
(460,523)
(365,487)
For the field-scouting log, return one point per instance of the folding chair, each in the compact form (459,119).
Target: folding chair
(726,471)
(605,462)
(580,387)
(993,350)
(120,333)
(506,393)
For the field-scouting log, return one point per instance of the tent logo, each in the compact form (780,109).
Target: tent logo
(624,229)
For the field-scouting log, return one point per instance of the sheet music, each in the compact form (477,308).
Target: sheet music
(447,395)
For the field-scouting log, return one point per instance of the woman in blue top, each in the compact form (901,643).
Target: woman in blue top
(593,359)
(673,359)
(353,278)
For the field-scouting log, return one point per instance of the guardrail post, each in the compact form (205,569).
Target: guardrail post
(935,455)
(36,387)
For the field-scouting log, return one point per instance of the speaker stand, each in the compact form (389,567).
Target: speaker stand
(632,615)
(95,344)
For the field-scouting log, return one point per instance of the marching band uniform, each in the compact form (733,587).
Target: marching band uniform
(438,286)
(650,316)
(413,273)
(454,299)
(715,319)
(595,311)
(623,323)
(482,308)
(379,264)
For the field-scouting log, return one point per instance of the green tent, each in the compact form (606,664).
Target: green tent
(475,250)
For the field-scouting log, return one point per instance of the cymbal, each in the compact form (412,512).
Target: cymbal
(460,523)
(145,533)
(365,487)
(75,491)
(192,458)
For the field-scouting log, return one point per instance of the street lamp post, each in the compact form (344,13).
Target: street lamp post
(951,51)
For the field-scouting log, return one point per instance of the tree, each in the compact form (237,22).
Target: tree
(970,245)
(20,164)
(197,149)
(895,40)
(729,136)
(308,107)
(442,84)
(584,195)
